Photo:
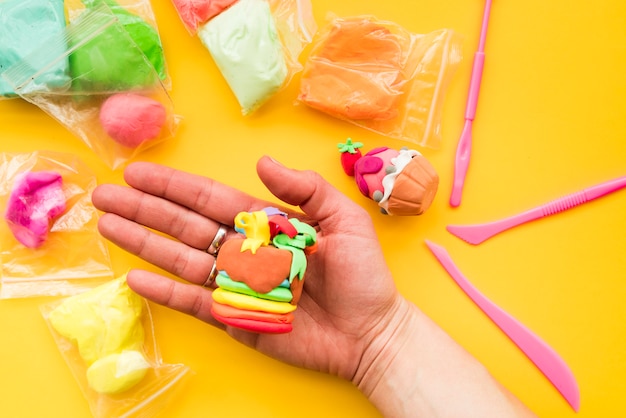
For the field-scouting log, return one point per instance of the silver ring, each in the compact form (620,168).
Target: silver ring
(217,241)
(212,275)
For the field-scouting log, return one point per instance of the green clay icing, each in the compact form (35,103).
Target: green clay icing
(114,57)
(306,237)
(278,294)
(24,26)
(105,325)
(245,46)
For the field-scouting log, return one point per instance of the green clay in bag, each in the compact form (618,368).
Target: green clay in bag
(118,55)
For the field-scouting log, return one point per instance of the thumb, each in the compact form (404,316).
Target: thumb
(307,189)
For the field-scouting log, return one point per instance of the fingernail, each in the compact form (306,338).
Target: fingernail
(275,162)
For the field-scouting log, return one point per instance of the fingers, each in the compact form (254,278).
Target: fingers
(172,256)
(188,299)
(154,212)
(314,195)
(200,194)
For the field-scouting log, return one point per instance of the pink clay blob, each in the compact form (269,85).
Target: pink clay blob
(132,119)
(36,199)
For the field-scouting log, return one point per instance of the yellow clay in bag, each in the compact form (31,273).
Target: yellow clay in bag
(117,373)
(105,325)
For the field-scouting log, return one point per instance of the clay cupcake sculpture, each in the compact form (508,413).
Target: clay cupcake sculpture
(260,277)
(403,182)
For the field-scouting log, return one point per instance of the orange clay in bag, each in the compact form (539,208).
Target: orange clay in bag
(362,82)
(379,76)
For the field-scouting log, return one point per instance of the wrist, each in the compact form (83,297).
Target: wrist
(413,368)
(385,361)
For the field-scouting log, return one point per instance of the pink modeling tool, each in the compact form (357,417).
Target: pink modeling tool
(464,147)
(540,353)
(475,234)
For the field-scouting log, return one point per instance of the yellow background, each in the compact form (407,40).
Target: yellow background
(551,120)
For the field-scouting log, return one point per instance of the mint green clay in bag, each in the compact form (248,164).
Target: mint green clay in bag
(245,45)
(24,26)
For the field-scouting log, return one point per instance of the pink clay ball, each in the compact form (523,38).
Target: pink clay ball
(132,119)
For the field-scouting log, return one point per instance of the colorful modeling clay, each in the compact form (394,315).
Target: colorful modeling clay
(227,311)
(260,277)
(114,55)
(132,119)
(196,12)
(36,199)
(402,182)
(146,37)
(105,325)
(141,32)
(356,72)
(117,372)
(279,294)
(24,26)
(377,75)
(245,46)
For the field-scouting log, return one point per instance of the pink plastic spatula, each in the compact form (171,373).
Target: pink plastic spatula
(475,234)
(464,146)
(540,353)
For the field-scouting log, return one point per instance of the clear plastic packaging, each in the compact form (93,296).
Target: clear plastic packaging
(24,25)
(379,76)
(256,45)
(104,62)
(139,21)
(194,13)
(296,28)
(106,337)
(73,257)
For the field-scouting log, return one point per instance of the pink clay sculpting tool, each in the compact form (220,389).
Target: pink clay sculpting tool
(475,234)
(541,354)
(464,146)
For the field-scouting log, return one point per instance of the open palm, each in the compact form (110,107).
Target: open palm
(349,298)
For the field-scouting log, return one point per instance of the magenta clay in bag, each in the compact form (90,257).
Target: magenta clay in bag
(36,199)
(49,240)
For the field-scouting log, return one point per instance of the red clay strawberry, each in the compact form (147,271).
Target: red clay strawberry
(350,154)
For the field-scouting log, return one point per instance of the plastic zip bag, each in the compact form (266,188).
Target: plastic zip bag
(105,63)
(194,13)
(24,25)
(73,257)
(296,28)
(255,44)
(379,76)
(137,18)
(106,337)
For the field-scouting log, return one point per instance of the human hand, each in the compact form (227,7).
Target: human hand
(349,304)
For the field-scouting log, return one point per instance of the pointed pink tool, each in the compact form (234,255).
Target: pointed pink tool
(540,353)
(475,234)
(464,146)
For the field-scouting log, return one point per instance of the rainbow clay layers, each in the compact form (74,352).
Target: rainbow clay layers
(261,276)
